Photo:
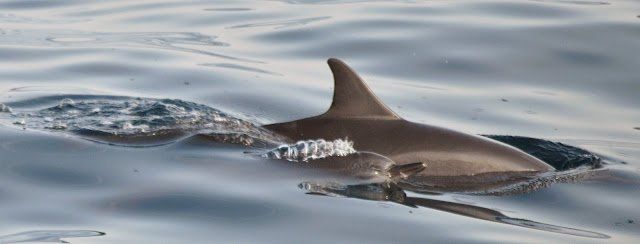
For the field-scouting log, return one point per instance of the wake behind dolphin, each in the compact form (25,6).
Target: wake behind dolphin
(131,121)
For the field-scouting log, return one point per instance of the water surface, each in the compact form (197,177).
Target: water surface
(562,71)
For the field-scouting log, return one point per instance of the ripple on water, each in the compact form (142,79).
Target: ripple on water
(190,42)
(227,9)
(72,39)
(282,23)
(240,67)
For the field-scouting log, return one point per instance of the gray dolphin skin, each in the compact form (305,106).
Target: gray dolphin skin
(357,114)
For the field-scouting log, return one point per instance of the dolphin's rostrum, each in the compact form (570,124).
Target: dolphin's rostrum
(357,114)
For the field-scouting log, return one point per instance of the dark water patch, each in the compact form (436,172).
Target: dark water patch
(546,93)
(400,27)
(52,148)
(581,57)
(103,69)
(55,175)
(191,206)
(54,236)
(523,10)
(23,54)
(462,65)
(559,155)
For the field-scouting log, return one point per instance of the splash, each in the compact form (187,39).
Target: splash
(311,149)
(128,116)
(5,108)
(111,118)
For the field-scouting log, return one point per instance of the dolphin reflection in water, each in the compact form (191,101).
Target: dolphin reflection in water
(389,191)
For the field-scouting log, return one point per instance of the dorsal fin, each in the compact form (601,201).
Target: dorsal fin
(351,96)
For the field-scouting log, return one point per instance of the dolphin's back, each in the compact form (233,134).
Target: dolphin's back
(445,152)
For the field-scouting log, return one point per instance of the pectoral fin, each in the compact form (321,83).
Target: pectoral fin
(406,170)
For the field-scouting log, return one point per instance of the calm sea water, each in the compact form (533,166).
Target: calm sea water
(557,70)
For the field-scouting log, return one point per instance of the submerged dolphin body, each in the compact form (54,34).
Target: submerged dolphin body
(357,114)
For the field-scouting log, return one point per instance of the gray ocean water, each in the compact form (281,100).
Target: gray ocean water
(116,117)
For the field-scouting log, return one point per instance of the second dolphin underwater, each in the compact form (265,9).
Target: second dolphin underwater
(357,114)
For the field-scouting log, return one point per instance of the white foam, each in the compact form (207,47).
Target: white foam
(66,101)
(311,149)
(5,108)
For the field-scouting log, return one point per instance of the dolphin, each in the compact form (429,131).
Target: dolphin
(358,115)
